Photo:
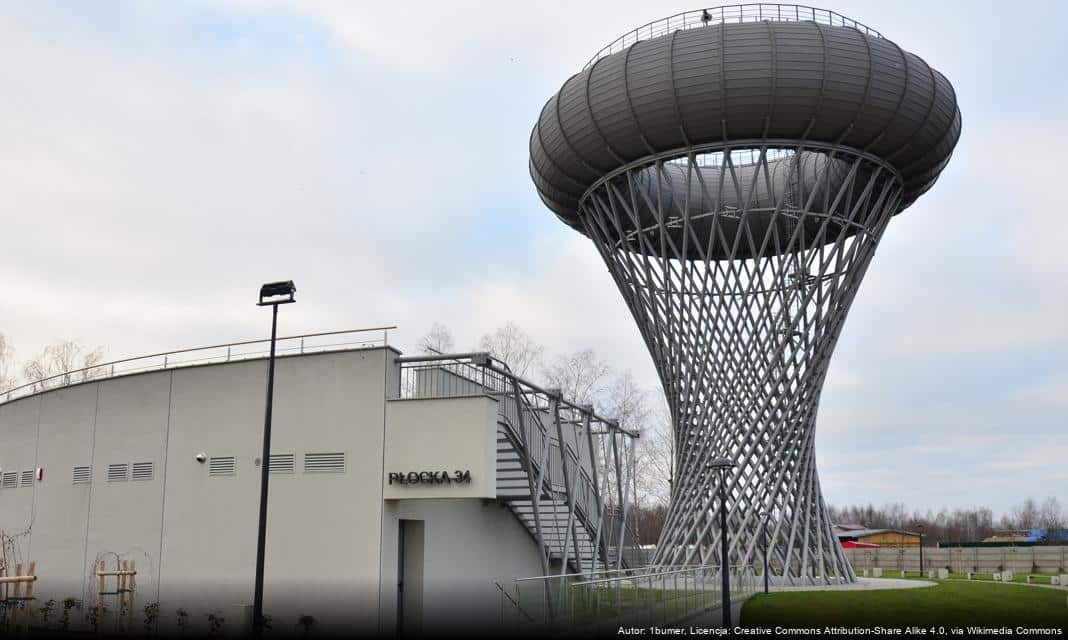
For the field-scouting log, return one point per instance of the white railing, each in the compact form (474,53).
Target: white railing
(628,597)
(214,354)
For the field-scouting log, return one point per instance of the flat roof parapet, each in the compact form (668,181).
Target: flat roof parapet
(307,343)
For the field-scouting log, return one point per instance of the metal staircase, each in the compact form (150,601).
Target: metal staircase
(579,531)
(560,467)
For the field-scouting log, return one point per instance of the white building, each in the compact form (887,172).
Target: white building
(386,471)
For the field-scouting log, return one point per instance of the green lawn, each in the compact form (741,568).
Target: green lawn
(950,603)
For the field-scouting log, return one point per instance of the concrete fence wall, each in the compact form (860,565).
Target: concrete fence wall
(1044,559)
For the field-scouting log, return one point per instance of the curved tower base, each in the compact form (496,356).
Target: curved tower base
(739,263)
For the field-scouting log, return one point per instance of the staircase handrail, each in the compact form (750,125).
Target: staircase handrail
(515,604)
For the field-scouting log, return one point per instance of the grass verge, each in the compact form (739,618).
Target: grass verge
(949,603)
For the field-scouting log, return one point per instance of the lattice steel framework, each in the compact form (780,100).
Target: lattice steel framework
(739,266)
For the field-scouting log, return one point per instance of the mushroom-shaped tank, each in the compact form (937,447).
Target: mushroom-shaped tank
(769,80)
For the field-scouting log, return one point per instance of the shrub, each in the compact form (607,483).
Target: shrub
(68,604)
(306,623)
(46,611)
(151,616)
(182,617)
(215,623)
(95,616)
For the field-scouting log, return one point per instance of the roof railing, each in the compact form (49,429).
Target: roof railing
(479,373)
(214,354)
(727,14)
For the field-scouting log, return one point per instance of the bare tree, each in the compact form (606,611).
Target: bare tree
(1026,515)
(7,356)
(1050,515)
(581,376)
(514,347)
(63,363)
(655,457)
(637,411)
(957,525)
(628,404)
(437,340)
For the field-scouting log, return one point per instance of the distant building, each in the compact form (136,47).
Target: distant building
(843,528)
(1011,537)
(1049,536)
(1030,536)
(878,537)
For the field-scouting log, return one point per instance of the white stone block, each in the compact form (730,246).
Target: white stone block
(970,574)
(930,574)
(1064,579)
(864,573)
(877,572)
(1054,579)
(1006,576)
(943,573)
(997,576)
(1030,579)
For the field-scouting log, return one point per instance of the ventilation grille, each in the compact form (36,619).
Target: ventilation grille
(282,463)
(11,480)
(118,472)
(324,463)
(82,475)
(142,471)
(26,478)
(222,466)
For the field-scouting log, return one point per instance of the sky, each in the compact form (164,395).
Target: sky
(162,159)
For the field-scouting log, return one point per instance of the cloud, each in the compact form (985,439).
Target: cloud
(162,160)
(1050,394)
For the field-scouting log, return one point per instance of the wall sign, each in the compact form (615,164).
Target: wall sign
(430,477)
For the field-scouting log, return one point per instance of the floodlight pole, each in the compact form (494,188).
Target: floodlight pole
(921,528)
(764,526)
(724,568)
(721,465)
(268,291)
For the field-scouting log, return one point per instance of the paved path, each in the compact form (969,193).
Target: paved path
(714,617)
(862,584)
(1022,584)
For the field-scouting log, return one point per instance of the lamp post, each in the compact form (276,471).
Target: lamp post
(272,294)
(764,515)
(920,528)
(721,465)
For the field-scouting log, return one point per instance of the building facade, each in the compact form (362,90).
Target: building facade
(401,490)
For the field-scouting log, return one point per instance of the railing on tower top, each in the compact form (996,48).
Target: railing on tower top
(727,14)
(214,354)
